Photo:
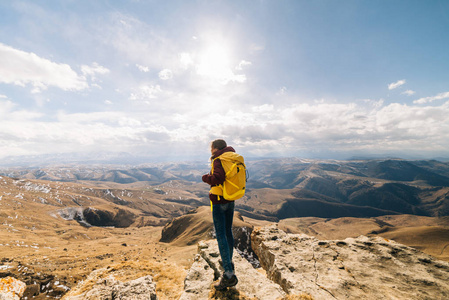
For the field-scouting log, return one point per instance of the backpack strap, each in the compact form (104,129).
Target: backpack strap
(218,189)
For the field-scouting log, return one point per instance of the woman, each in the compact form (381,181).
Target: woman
(222,214)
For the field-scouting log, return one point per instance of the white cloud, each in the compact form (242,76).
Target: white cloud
(143,68)
(89,118)
(243,64)
(319,127)
(21,68)
(22,133)
(95,85)
(265,108)
(93,70)
(6,107)
(396,84)
(431,99)
(10,114)
(38,87)
(263,129)
(146,92)
(408,93)
(166,74)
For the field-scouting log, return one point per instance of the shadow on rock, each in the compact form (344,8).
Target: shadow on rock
(229,294)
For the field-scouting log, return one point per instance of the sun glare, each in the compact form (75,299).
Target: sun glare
(215,62)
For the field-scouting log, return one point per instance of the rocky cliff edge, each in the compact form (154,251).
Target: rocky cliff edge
(297,266)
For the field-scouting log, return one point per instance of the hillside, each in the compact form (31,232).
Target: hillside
(332,189)
(53,234)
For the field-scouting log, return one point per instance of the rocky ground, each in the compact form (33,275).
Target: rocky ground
(297,266)
(354,268)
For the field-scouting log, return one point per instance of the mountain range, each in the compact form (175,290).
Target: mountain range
(285,188)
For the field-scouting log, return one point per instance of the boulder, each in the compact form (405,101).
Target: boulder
(198,280)
(354,268)
(109,288)
(11,288)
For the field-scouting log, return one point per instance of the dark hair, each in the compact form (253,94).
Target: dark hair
(219,144)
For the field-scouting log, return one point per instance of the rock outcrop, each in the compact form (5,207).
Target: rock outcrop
(198,280)
(14,274)
(207,268)
(98,287)
(354,268)
(11,288)
(298,266)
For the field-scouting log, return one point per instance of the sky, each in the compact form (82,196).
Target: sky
(161,79)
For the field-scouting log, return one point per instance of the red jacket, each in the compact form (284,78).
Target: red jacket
(218,177)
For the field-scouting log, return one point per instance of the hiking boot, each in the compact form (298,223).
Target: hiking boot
(226,282)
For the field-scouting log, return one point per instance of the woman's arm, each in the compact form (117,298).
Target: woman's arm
(218,177)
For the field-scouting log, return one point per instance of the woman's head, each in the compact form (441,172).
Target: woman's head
(217,145)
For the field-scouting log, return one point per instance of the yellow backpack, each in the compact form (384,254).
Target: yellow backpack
(234,186)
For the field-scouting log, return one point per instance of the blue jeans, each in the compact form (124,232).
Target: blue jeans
(223,215)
